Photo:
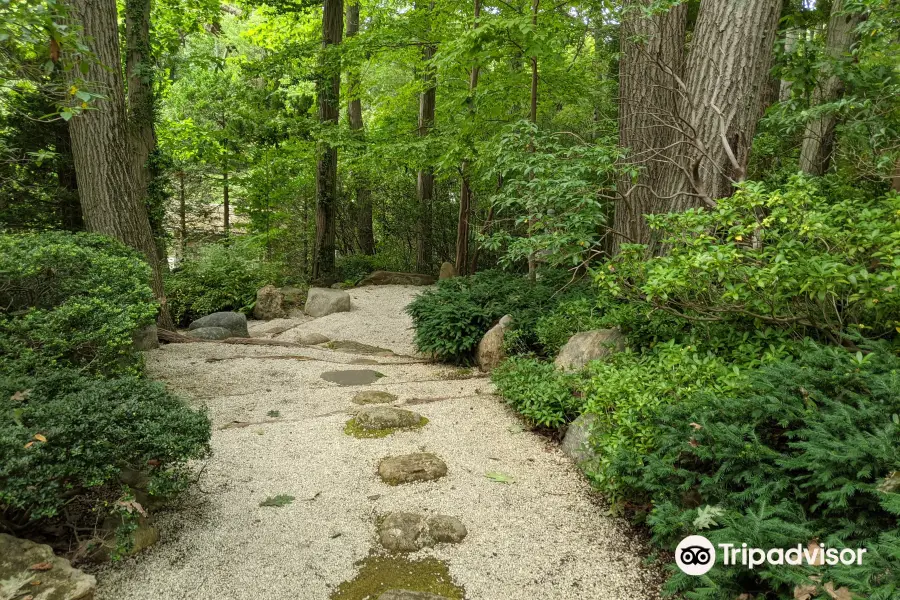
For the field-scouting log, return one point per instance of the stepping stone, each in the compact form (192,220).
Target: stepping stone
(386,417)
(422,466)
(311,338)
(373,397)
(352,377)
(359,348)
(409,532)
(409,595)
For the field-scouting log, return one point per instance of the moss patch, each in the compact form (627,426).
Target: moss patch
(353,429)
(378,574)
(277,501)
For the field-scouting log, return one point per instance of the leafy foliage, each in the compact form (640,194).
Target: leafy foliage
(71,300)
(800,453)
(543,395)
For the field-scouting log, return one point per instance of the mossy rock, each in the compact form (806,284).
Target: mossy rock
(353,429)
(379,575)
(421,466)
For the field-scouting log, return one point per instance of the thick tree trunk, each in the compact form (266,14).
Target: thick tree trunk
(329,90)
(651,63)
(100,146)
(182,216)
(425,178)
(226,203)
(139,71)
(532,116)
(465,191)
(364,229)
(727,71)
(818,137)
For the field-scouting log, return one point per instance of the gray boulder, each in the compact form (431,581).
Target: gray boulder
(575,443)
(386,417)
(55,580)
(269,304)
(408,468)
(396,278)
(324,301)
(145,338)
(586,346)
(490,351)
(409,595)
(210,333)
(447,271)
(234,322)
(409,532)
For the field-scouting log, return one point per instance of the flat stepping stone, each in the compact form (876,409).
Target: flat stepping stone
(373,397)
(422,466)
(410,595)
(352,377)
(410,532)
(380,421)
(352,347)
(311,338)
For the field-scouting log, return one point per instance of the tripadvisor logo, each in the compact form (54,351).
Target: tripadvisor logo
(695,555)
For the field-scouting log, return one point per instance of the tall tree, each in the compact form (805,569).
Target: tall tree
(818,137)
(100,145)
(465,191)
(364,229)
(328,85)
(651,62)
(425,177)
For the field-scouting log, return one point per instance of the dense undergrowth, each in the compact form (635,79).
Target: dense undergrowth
(758,398)
(74,408)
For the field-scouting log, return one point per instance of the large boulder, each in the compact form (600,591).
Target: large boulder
(586,346)
(234,322)
(210,333)
(447,271)
(575,443)
(292,297)
(324,301)
(490,351)
(395,278)
(269,304)
(29,570)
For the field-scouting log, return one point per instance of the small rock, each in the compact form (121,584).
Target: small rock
(324,301)
(311,338)
(234,322)
(373,397)
(409,532)
(446,530)
(447,271)
(409,595)
(145,338)
(586,346)
(139,539)
(59,582)
(395,278)
(575,443)
(422,466)
(490,351)
(386,417)
(210,333)
(269,304)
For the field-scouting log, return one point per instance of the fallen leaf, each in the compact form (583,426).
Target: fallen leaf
(500,477)
(40,437)
(694,443)
(696,426)
(805,592)
(837,594)
(20,396)
(42,566)
(29,445)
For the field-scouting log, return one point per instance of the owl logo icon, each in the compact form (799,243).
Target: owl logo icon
(695,555)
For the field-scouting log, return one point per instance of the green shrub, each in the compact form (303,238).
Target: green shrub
(565,320)
(63,437)
(452,318)
(801,452)
(543,395)
(221,277)
(71,300)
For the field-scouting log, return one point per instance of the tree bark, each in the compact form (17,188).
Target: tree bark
(465,191)
(364,229)
(718,110)
(818,137)
(100,146)
(182,215)
(425,177)
(651,63)
(532,116)
(329,90)
(226,202)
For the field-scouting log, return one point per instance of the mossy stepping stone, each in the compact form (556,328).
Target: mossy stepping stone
(373,397)
(352,376)
(408,468)
(379,421)
(410,532)
(397,577)
(409,595)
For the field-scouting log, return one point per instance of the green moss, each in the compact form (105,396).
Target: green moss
(277,501)
(378,574)
(353,429)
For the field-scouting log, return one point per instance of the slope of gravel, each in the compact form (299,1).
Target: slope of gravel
(543,536)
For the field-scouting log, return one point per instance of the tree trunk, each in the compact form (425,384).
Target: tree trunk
(465,191)
(329,90)
(532,116)
(652,61)
(791,36)
(182,215)
(364,229)
(818,137)
(727,71)
(100,146)
(425,178)
(226,203)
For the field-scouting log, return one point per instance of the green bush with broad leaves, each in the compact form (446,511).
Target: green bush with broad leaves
(220,277)
(543,395)
(811,258)
(805,450)
(71,300)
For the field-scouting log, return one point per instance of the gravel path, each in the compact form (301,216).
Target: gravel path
(543,536)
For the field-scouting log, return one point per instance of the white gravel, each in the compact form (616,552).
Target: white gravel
(544,536)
